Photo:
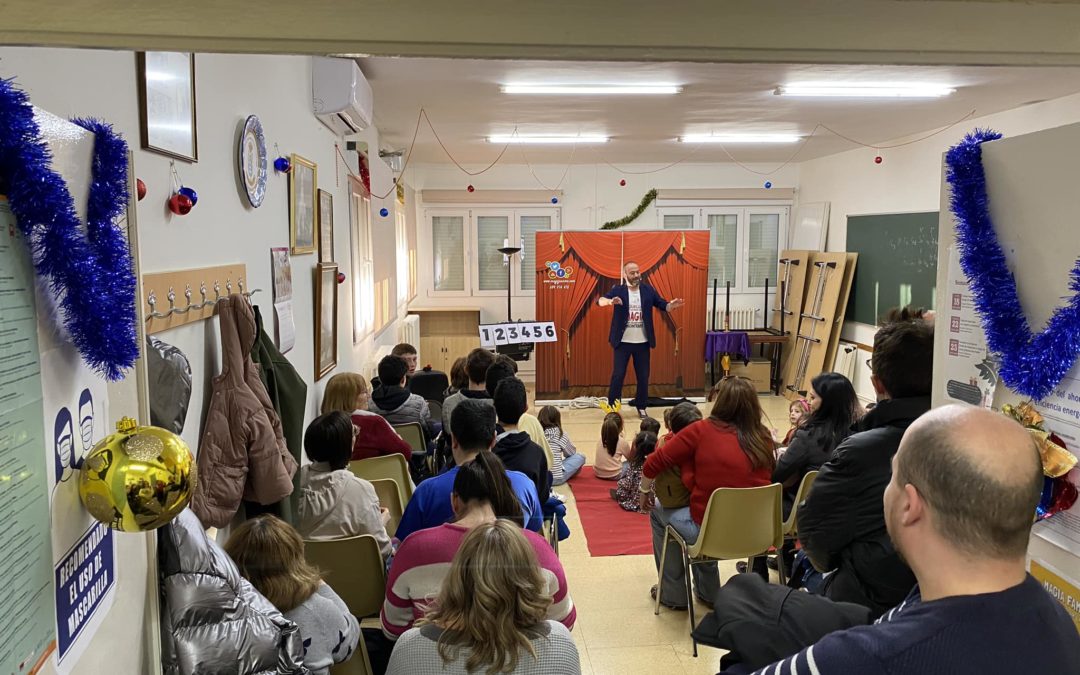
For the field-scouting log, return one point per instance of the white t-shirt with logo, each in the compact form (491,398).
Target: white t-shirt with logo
(635,327)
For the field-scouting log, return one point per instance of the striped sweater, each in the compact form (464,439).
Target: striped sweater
(423,561)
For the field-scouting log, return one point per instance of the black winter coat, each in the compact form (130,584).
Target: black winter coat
(842,523)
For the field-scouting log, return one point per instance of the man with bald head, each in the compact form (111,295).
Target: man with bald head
(959,510)
(632,334)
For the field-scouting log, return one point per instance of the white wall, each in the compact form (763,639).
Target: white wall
(591,196)
(909,179)
(221,229)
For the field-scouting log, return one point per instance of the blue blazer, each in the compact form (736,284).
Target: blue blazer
(621,316)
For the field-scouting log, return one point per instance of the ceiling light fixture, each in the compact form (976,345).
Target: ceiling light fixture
(740,138)
(518,139)
(865,89)
(577,89)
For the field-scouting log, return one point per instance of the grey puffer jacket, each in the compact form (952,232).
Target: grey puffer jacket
(212,620)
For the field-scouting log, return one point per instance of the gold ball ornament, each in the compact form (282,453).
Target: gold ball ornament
(137,479)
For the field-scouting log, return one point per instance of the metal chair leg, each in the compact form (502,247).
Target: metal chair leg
(660,575)
(690,598)
(780,567)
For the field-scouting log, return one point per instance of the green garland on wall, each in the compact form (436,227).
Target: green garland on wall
(649,198)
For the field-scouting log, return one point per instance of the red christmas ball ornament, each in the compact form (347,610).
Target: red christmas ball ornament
(878,160)
(471,189)
(140,189)
(180,204)
(622,183)
(341,277)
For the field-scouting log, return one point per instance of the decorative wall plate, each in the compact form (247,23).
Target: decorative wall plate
(251,159)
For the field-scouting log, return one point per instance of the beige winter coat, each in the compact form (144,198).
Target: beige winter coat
(242,454)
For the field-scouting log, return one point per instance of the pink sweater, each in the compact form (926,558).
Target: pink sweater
(423,561)
(608,466)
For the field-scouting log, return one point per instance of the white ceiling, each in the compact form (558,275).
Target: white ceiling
(463,100)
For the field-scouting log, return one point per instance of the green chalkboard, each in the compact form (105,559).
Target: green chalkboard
(897,263)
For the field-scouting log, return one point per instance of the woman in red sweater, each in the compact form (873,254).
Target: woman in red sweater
(730,448)
(349,393)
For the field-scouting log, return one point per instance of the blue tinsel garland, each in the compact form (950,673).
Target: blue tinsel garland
(91,273)
(1031,364)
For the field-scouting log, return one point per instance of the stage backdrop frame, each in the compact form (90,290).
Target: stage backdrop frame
(575,268)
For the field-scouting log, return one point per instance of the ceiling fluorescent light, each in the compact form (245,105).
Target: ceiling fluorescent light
(865,89)
(545,140)
(741,138)
(591,89)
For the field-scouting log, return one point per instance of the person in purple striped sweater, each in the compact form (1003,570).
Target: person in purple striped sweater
(482,494)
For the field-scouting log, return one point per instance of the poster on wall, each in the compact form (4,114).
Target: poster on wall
(26,628)
(971,372)
(281,270)
(1061,413)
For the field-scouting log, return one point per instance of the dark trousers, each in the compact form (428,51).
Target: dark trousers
(640,353)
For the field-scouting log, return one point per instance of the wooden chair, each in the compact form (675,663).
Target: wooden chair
(393,467)
(738,523)
(354,568)
(390,499)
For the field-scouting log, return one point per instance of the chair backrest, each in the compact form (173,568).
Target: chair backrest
(390,499)
(791,525)
(740,522)
(359,664)
(413,434)
(392,466)
(435,408)
(354,568)
(429,384)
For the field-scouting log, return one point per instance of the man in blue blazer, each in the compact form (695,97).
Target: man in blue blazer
(632,333)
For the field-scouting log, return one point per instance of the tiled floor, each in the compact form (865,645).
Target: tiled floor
(616,631)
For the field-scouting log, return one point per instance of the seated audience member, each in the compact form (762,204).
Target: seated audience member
(513,446)
(841,524)
(348,392)
(394,402)
(732,448)
(627,492)
(798,411)
(490,615)
(958,508)
(482,493)
(334,503)
(459,379)
(503,368)
(611,449)
(476,368)
(668,487)
(833,409)
(472,430)
(407,352)
(270,554)
(567,460)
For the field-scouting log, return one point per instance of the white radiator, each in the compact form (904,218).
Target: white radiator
(409,331)
(845,361)
(741,319)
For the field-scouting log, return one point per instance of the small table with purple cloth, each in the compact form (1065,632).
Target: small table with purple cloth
(739,344)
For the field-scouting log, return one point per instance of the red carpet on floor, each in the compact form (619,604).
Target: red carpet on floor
(609,530)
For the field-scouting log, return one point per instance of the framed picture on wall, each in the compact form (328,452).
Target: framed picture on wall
(326,297)
(167,117)
(303,179)
(326,227)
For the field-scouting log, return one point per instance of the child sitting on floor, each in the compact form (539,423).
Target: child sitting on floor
(651,424)
(626,494)
(568,461)
(611,450)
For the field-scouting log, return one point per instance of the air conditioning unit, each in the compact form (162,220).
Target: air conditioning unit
(340,95)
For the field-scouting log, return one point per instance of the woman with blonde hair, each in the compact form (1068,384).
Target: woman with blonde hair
(730,448)
(489,616)
(350,393)
(270,554)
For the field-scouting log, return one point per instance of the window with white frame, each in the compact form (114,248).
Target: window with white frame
(465,259)
(362,264)
(744,240)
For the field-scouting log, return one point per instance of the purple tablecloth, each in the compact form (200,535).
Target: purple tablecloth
(735,343)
